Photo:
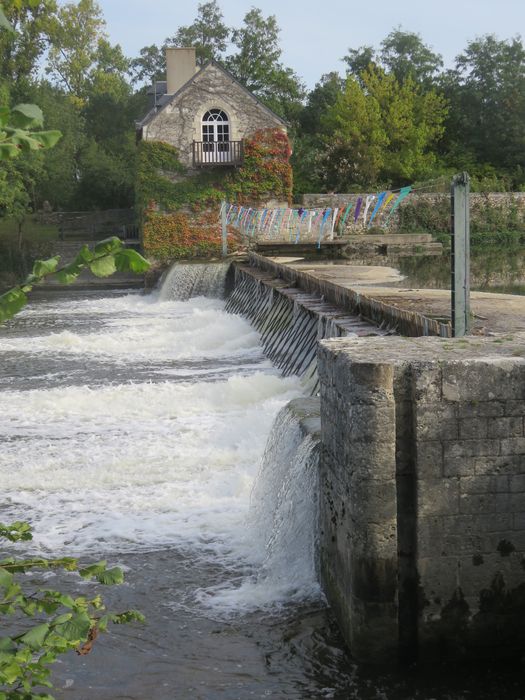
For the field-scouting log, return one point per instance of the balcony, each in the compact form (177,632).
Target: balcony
(215,153)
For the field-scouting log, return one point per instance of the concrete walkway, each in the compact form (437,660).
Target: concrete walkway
(493,313)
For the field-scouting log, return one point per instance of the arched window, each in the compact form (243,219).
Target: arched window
(215,134)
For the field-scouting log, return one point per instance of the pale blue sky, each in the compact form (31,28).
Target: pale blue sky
(315,35)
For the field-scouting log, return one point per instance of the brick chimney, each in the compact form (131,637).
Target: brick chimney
(181,66)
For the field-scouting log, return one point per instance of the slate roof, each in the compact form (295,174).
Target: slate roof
(168,99)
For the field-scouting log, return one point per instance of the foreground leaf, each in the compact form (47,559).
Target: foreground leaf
(129,260)
(103,267)
(36,636)
(11,303)
(41,268)
(109,245)
(47,139)
(26,115)
(110,577)
(75,630)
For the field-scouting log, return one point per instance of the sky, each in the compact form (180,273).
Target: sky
(316,35)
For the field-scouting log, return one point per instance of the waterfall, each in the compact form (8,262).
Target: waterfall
(186,280)
(284,507)
(283,519)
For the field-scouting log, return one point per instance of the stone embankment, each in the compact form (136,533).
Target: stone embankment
(422,467)
(423,494)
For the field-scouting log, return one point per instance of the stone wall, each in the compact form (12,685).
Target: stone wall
(430,212)
(423,494)
(179,123)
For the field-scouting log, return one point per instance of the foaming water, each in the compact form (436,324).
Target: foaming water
(282,526)
(168,460)
(136,327)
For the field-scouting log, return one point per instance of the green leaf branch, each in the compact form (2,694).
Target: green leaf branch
(63,622)
(18,131)
(107,256)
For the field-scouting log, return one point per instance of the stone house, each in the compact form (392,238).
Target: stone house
(204,112)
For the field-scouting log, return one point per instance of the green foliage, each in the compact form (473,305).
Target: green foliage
(76,29)
(492,222)
(430,215)
(256,64)
(63,624)
(150,64)
(380,131)
(107,257)
(406,56)
(207,34)
(403,54)
(24,42)
(487,95)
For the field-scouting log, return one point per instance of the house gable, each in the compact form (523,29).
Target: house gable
(179,122)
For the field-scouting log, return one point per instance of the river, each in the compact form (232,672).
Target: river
(134,429)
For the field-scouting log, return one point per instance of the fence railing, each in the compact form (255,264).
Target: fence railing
(211,153)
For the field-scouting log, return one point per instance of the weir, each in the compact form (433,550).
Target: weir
(421,475)
(291,322)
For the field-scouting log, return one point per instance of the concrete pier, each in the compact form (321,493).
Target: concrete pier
(423,494)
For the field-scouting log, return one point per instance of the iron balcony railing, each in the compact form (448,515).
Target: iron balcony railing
(211,153)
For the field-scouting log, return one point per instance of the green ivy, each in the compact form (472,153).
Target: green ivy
(164,187)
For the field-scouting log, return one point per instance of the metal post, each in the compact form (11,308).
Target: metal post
(460,251)
(224,230)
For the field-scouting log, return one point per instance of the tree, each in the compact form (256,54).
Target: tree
(402,53)
(256,64)
(319,101)
(150,66)
(24,42)
(382,132)
(487,95)
(208,34)
(76,30)
(359,60)
(406,56)
(308,141)
(59,179)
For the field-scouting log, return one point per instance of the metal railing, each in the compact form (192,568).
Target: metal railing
(212,153)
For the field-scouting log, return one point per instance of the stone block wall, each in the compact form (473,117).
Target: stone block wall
(423,500)
(358,502)
(430,211)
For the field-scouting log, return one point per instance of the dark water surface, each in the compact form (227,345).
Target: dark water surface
(492,270)
(133,430)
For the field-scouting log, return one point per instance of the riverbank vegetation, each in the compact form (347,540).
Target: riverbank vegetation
(392,116)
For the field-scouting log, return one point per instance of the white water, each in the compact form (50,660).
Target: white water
(283,525)
(184,281)
(120,465)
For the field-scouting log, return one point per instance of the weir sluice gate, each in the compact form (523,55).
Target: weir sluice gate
(421,471)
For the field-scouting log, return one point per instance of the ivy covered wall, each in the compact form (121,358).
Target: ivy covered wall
(179,209)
